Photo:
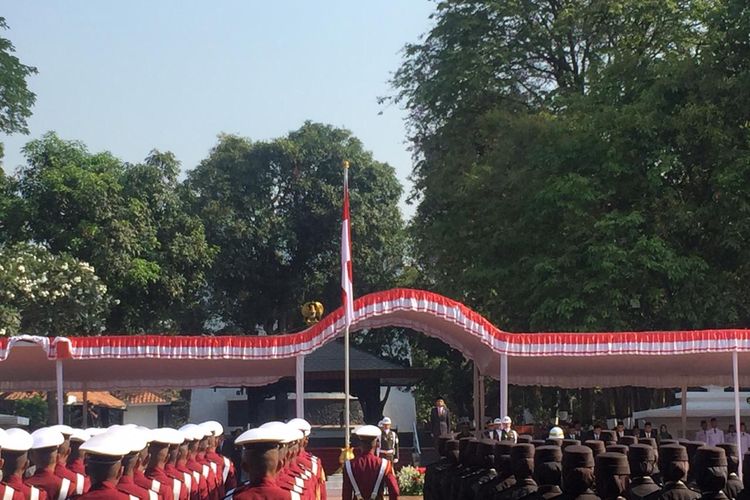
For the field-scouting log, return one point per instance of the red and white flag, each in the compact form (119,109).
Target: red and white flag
(347,288)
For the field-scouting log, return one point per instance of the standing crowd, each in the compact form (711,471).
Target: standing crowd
(598,464)
(128,462)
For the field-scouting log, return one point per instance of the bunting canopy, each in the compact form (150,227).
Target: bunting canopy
(650,359)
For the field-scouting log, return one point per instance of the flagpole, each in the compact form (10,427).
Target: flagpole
(347,413)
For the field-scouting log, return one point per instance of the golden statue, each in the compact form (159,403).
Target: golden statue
(312,312)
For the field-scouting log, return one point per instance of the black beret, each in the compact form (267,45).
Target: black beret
(612,463)
(627,440)
(485,447)
(553,442)
(649,441)
(669,441)
(618,448)
(608,435)
(641,453)
(521,451)
(730,449)
(451,445)
(548,454)
(538,442)
(596,446)
(673,453)
(692,447)
(576,456)
(524,438)
(463,443)
(504,447)
(570,442)
(710,456)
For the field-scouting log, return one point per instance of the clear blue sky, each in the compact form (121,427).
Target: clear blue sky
(131,76)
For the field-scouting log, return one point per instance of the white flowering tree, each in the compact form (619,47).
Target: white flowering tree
(46,294)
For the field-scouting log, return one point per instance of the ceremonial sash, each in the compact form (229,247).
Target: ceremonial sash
(64,488)
(176,488)
(225,472)
(9,492)
(79,484)
(34,494)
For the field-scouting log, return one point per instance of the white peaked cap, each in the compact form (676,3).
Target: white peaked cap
(506,420)
(272,423)
(3,438)
(386,421)
(497,421)
(80,435)
(369,431)
(167,435)
(111,444)
(63,429)
(17,440)
(301,424)
(213,427)
(134,439)
(290,432)
(556,433)
(272,434)
(94,431)
(192,432)
(46,438)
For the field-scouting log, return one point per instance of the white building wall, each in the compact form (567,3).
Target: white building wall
(145,415)
(211,404)
(401,408)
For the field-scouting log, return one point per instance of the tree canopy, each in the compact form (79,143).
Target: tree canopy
(273,209)
(583,165)
(16,99)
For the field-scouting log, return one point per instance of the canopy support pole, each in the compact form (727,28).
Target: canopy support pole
(481,400)
(299,383)
(503,385)
(737,434)
(85,407)
(475,390)
(59,386)
(683,409)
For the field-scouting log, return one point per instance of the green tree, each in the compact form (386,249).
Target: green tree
(16,100)
(128,220)
(591,174)
(273,210)
(47,294)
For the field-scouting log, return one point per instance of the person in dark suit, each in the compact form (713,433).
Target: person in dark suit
(649,432)
(440,419)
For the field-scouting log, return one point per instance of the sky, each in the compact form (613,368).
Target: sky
(137,75)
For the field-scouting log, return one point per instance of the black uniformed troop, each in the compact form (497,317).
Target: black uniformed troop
(566,469)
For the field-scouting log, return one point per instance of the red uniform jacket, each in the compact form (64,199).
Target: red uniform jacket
(285,480)
(50,484)
(21,489)
(316,467)
(127,485)
(188,479)
(171,471)
(216,463)
(200,485)
(265,490)
(366,469)
(105,491)
(77,466)
(165,488)
(81,482)
(211,479)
